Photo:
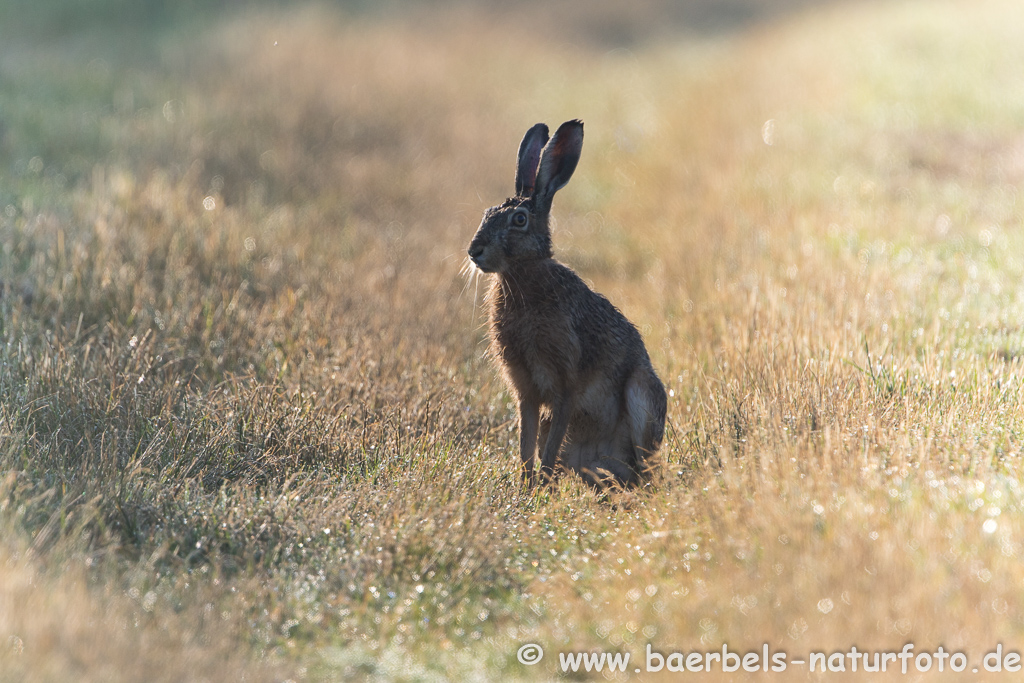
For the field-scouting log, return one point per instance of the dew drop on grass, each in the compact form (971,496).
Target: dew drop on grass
(990,526)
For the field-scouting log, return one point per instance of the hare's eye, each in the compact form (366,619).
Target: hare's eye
(519,219)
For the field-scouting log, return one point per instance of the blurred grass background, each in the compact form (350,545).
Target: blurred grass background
(247,424)
(599,22)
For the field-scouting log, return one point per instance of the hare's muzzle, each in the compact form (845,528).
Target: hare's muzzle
(476,254)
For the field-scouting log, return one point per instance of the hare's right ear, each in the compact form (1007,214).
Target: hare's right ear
(529,156)
(557,162)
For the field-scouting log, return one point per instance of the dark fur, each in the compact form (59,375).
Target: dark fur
(586,389)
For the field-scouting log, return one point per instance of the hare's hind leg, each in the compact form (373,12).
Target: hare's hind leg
(607,460)
(646,404)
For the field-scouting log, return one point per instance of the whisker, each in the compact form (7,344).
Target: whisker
(466,273)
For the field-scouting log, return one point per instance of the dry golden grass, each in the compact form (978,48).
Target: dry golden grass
(249,430)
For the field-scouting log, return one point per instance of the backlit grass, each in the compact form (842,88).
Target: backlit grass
(248,427)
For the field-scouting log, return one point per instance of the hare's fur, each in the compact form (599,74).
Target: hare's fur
(588,395)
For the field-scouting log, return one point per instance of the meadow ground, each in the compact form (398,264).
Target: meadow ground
(248,428)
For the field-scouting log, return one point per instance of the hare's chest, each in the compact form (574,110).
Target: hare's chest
(536,351)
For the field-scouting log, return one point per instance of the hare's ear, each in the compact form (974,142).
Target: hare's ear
(557,162)
(529,156)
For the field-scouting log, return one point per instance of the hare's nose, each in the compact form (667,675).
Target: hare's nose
(475,251)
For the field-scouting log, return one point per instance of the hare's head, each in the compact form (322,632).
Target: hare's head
(517,229)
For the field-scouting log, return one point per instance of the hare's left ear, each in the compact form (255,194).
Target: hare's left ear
(529,156)
(557,163)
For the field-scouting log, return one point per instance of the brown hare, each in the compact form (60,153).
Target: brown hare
(579,370)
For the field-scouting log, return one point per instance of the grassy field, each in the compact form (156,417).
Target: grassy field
(248,429)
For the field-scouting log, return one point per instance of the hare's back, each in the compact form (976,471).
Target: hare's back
(606,337)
